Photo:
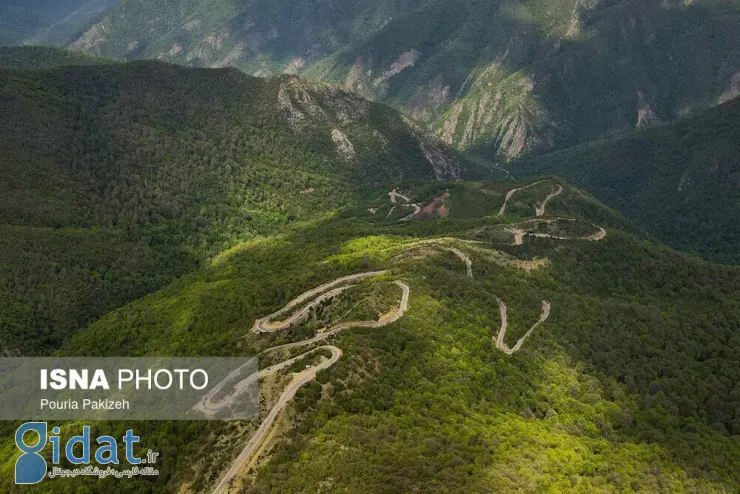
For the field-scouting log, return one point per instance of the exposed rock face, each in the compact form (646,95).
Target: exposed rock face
(299,101)
(405,60)
(509,117)
(350,83)
(733,91)
(345,149)
(646,116)
(93,37)
(506,78)
(209,49)
(294,66)
(307,106)
(232,56)
(430,100)
(192,24)
(446,166)
(298,105)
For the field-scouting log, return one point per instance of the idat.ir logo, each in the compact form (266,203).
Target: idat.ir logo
(31,468)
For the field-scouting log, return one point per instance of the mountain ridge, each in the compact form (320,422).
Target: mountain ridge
(627,383)
(679,181)
(136,173)
(513,78)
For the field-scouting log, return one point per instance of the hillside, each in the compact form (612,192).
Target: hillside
(46,22)
(44,57)
(508,78)
(680,182)
(437,375)
(119,178)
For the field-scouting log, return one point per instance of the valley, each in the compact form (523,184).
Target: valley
(507,79)
(424,320)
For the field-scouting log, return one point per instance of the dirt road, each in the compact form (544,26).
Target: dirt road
(417,210)
(263,325)
(440,242)
(394,194)
(207,406)
(256,442)
(499,340)
(384,321)
(519,233)
(464,258)
(511,193)
(258,438)
(540,209)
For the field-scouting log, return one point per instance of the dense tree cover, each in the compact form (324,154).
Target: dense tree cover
(44,57)
(505,76)
(119,178)
(631,385)
(680,182)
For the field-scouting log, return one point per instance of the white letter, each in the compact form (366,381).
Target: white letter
(59,379)
(121,379)
(43,380)
(148,378)
(156,379)
(180,372)
(75,379)
(99,380)
(192,380)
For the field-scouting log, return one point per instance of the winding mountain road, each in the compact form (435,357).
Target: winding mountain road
(511,193)
(540,209)
(302,305)
(384,321)
(499,340)
(394,194)
(262,325)
(519,233)
(417,210)
(256,441)
(439,242)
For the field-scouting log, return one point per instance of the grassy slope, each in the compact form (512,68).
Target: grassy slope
(119,178)
(681,182)
(628,386)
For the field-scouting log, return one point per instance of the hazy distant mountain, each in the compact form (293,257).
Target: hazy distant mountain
(510,76)
(46,21)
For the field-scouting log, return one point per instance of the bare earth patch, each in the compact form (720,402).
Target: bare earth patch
(436,209)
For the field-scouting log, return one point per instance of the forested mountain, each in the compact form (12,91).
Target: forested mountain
(46,21)
(508,76)
(44,57)
(117,178)
(628,383)
(681,181)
